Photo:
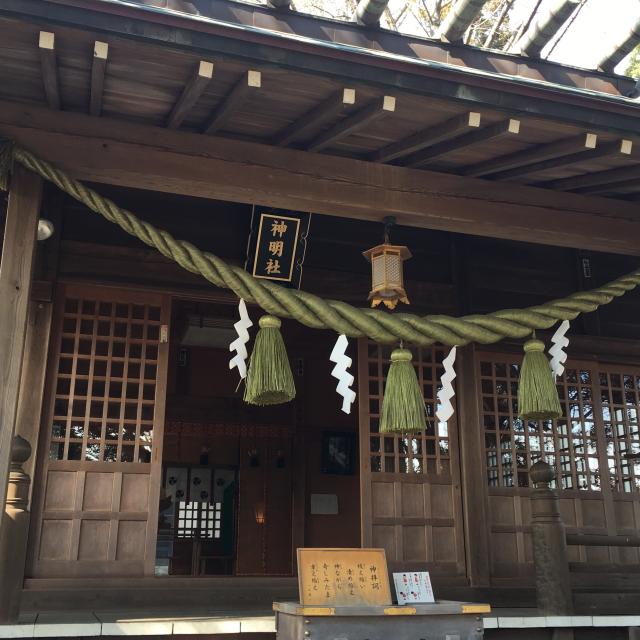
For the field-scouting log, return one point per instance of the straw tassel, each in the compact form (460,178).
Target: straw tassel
(269,379)
(537,392)
(403,408)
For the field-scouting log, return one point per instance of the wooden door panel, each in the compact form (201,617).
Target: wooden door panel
(414,543)
(265,502)
(383,499)
(413,500)
(444,545)
(131,538)
(598,485)
(60,490)
(96,499)
(593,515)
(98,491)
(411,504)
(55,540)
(93,543)
(443,500)
(134,495)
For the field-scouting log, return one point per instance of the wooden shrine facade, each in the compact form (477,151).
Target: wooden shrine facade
(508,190)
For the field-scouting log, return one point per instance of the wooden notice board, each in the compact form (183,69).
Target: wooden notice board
(343,577)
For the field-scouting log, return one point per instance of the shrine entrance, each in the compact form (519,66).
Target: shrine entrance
(244,486)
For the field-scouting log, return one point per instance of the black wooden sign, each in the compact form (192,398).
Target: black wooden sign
(277,245)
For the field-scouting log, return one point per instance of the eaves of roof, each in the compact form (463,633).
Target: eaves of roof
(513,94)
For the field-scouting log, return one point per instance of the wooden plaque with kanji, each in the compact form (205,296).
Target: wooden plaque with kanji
(343,577)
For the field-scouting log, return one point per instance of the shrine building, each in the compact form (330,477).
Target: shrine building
(177,172)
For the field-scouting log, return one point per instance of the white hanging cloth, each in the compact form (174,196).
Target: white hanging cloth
(239,345)
(559,343)
(445,395)
(341,373)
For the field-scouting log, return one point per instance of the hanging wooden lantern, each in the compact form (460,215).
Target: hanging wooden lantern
(387,281)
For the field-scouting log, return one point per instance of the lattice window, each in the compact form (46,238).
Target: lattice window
(512,445)
(106,382)
(188,519)
(426,452)
(199,520)
(620,395)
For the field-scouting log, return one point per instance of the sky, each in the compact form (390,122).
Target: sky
(599,24)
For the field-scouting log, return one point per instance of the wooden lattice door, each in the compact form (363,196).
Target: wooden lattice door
(97,491)
(411,499)
(594,448)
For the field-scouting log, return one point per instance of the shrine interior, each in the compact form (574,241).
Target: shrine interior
(236,478)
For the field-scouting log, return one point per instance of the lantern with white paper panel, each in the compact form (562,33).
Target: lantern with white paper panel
(387,280)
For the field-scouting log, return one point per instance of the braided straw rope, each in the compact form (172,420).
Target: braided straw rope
(319,313)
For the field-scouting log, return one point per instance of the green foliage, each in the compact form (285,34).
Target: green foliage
(633,70)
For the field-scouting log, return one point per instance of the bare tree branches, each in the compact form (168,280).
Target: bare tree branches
(490,29)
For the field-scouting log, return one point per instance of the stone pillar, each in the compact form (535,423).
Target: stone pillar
(553,586)
(15,531)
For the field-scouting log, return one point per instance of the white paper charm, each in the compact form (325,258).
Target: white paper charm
(445,395)
(414,587)
(239,345)
(345,379)
(559,343)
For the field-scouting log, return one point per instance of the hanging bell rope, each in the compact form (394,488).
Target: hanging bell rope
(316,312)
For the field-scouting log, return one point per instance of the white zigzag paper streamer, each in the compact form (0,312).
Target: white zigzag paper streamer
(345,379)
(239,345)
(445,395)
(559,343)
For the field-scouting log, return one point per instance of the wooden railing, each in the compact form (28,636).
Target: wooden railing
(550,542)
(589,540)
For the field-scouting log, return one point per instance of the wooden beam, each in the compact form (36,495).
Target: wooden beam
(144,157)
(533,154)
(621,49)
(608,177)
(459,18)
(433,135)
(49,68)
(548,22)
(190,94)
(608,149)
(356,122)
(100,54)
(369,12)
(475,500)
(15,284)
(497,130)
(250,81)
(262,47)
(626,186)
(316,117)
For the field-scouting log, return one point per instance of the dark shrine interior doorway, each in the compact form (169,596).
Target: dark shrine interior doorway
(244,486)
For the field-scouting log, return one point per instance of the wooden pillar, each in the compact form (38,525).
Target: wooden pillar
(364,428)
(15,528)
(550,557)
(15,283)
(32,381)
(15,532)
(474,482)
